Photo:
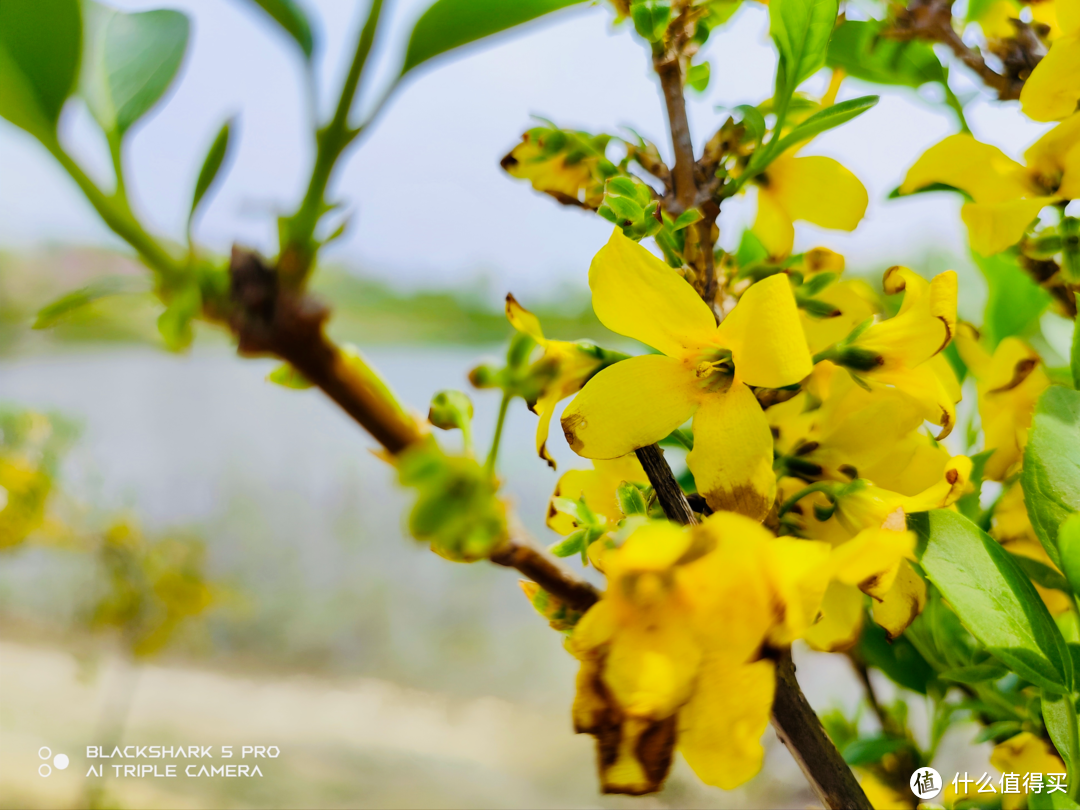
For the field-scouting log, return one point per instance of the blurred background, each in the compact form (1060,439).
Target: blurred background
(303,617)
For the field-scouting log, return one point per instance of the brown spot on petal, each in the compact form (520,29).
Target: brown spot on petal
(952,475)
(570,425)
(655,749)
(743,499)
(1021,372)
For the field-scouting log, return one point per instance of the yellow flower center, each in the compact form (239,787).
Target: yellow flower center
(713,369)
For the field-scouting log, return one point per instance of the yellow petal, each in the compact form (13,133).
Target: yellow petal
(634,403)
(1068,15)
(720,728)
(523,320)
(595,629)
(881,796)
(818,190)
(870,560)
(1052,89)
(732,456)
(626,764)
(655,546)
(1026,753)
(800,572)
(765,335)
(954,483)
(902,603)
(924,384)
(841,619)
(773,225)
(1008,388)
(983,171)
(993,227)
(923,326)
(1051,154)
(545,407)
(638,295)
(650,668)
(855,301)
(995,19)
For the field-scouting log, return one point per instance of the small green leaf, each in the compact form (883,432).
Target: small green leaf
(753,121)
(449,24)
(898,659)
(450,409)
(825,120)
(1051,473)
(212,163)
(976,674)
(631,501)
(1014,303)
(40,47)
(686,219)
(869,750)
(697,77)
(573,544)
(174,323)
(287,376)
(801,30)
(860,50)
(1042,574)
(70,303)
(1051,801)
(1000,729)
(993,598)
(1059,717)
(650,18)
(1074,357)
(291,17)
(130,61)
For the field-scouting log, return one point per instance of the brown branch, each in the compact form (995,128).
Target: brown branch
(287,323)
(671,81)
(668,492)
(576,593)
(798,727)
(932,20)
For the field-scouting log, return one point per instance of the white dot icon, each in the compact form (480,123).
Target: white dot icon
(44,752)
(60,761)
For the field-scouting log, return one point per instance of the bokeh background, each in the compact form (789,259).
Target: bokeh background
(386,676)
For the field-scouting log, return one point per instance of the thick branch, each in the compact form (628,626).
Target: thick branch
(798,727)
(671,80)
(668,491)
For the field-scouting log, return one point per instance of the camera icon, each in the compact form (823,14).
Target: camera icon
(60,761)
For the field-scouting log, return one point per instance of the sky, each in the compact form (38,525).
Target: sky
(429,204)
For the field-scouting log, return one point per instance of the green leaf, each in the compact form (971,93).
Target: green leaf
(1042,574)
(1074,357)
(1059,717)
(1051,801)
(291,17)
(1051,474)
(869,750)
(993,598)
(825,120)
(1069,546)
(858,48)
(449,24)
(976,674)
(650,18)
(697,77)
(40,46)
(174,323)
(631,501)
(801,30)
(1014,303)
(287,376)
(211,166)
(129,62)
(573,544)
(1002,728)
(899,660)
(70,303)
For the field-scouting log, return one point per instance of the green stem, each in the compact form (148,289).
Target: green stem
(331,142)
(820,486)
(116,215)
(953,103)
(493,454)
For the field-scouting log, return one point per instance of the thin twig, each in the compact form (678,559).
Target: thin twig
(671,81)
(668,492)
(576,593)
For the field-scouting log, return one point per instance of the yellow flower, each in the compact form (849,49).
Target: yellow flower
(598,488)
(1009,384)
(704,372)
(573,176)
(1006,196)
(669,654)
(1023,754)
(565,366)
(808,189)
(1052,91)
(905,351)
